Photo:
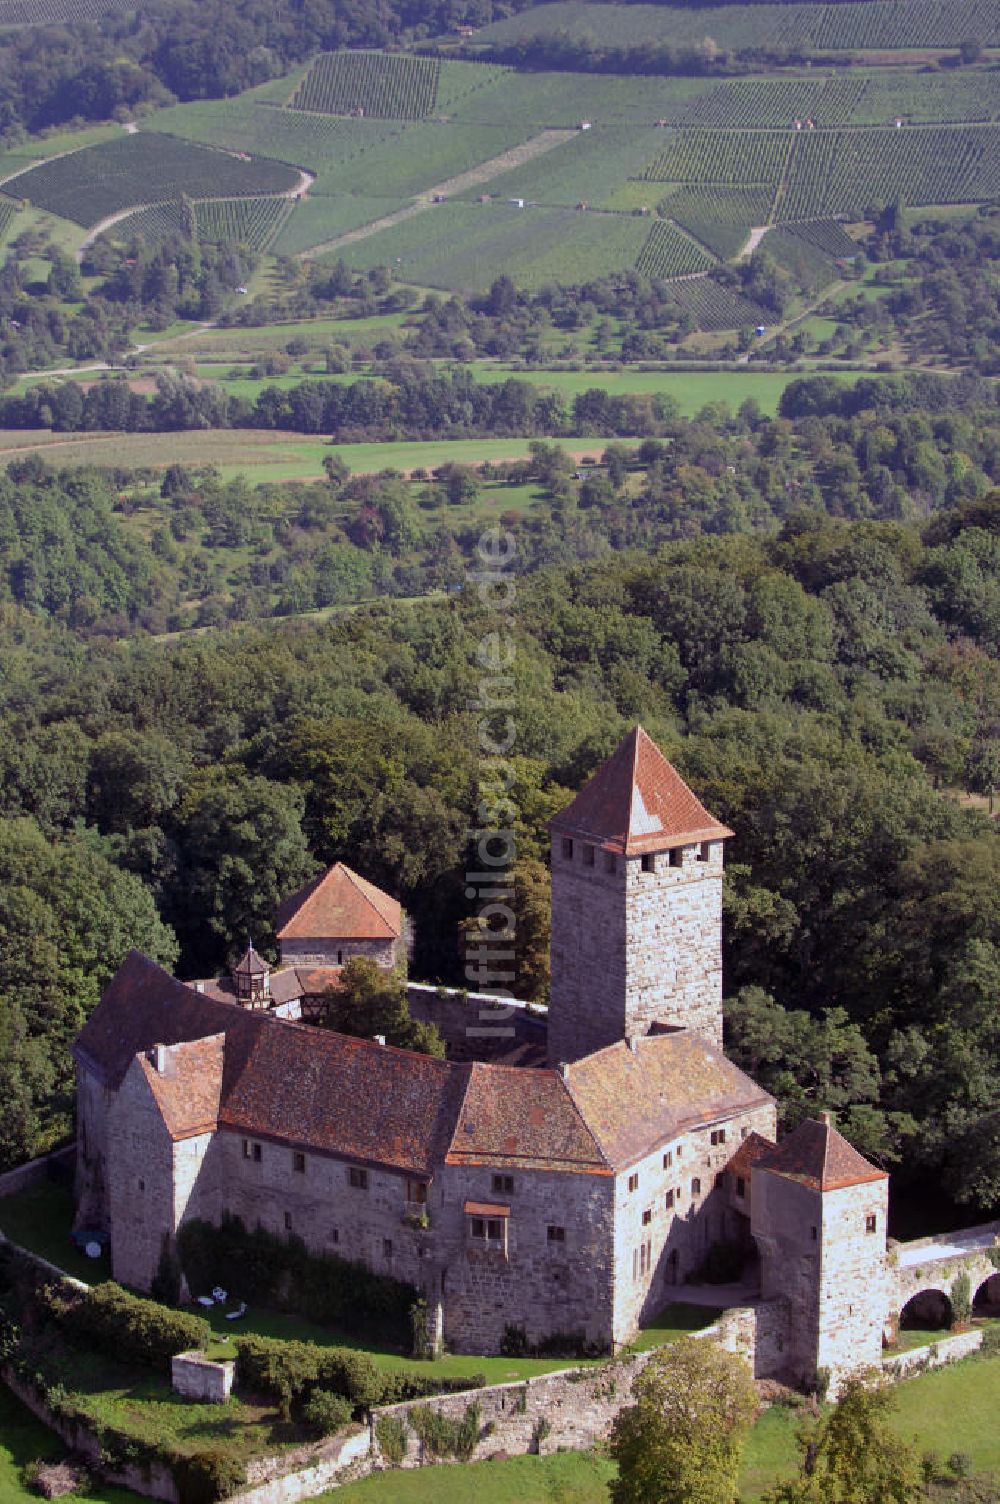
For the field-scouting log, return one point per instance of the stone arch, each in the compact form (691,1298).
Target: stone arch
(986,1299)
(927,1310)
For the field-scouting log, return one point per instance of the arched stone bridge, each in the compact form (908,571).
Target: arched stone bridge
(933,1264)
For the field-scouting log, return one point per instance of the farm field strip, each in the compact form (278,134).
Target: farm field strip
(589,167)
(395,86)
(89,185)
(851,25)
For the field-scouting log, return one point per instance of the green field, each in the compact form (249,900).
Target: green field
(853,24)
(87,185)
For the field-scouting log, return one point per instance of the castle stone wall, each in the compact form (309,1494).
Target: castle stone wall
(195,1377)
(538,1284)
(676,1237)
(473,1025)
(853,1295)
(786,1219)
(140,1181)
(93,1104)
(323,952)
(588,955)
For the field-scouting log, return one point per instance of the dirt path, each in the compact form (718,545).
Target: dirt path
(756,236)
(778,329)
(506,162)
(305,182)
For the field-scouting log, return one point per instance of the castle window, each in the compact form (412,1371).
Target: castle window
(588,856)
(871,1222)
(504,1184)
(669,1199)
(696,1187)
(649,862)
(705,851)
(142,1185)
(357,1178)
(298,1162)
(718,1136)
(741,1186)
(744,1133)
(252,1151)
(557,1234)
(567,848)
(647,1216)
(335,1235)
(645,1257)
(720,1180)
(340,958)
(288,1221)
(610,862)
(416,1192)
(677,856)
(633,1181)
(387,1248)
(668,1159)
(488,1229)
(814,1233)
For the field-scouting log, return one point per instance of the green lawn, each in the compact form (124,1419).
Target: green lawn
(674,1321)
(40,1219)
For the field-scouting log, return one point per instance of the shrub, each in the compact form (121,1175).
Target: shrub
(991,1342)
(291,1370)
(326,1412)
(441,1436)
(390,1433)
(960,1465)
(208,1476)
(282,1273)
(961,1298)
(132,1329)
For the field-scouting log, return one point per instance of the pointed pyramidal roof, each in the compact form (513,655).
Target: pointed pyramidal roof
(251,964)
(339,905)
(816,1155)
(637,802)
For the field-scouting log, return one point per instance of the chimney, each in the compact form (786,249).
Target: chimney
(564,1070)
(199,986)
(380,1039)
(826,1119)
(158,1057)
(633,1043)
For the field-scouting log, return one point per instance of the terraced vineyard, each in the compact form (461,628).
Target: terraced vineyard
(158,222)
(697,156)
(46,12)
(253,222)
(86,186)
(720,218)
(7,211)
(778,103)
(852,25)
(714,307)
(846,172)
(811,267)
(668,253)
(826,235)
(387,85)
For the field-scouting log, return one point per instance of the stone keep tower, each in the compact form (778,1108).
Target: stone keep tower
(818,1217)
(636,907)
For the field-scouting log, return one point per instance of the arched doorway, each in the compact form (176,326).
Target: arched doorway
(926,1314)
(986,1301)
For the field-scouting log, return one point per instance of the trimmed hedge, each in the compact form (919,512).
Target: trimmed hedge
(291,1371)
(132,1329)
(283,1274)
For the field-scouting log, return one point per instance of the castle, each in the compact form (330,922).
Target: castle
(570,1196)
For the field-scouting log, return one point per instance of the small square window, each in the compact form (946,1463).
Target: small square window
(669,1199)
(741,1186)
(814,1233)
(142,1185)
(557,1234)
(718,1135)
(387,1248)
(494,1229)
(504,1184)
(567,848)
(588,856)
(288,1221)
(647,1216)
(871,1222)
(478,1227)
(258,1153)
(299,1163)
(649,862)
(610,862)
(668,1159)
(744,1133)
(416,1192)
(335,1235)
(696,1187)
(704,851)
(680,1150)
(633,1181)
(720,1181)
(677,856)
(358,1178)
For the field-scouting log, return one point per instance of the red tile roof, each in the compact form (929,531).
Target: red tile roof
(514,1117)
(189,1088)
(637,802)
(816,1155)
(635,1097)
(753,1148)
(339,905)
(485,1209)
(349,1097)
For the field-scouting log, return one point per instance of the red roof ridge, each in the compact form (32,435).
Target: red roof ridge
(636,801)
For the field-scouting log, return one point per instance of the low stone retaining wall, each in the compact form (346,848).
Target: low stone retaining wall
(331,1464)
(934,1355)
(196,1377)
(37,1171)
